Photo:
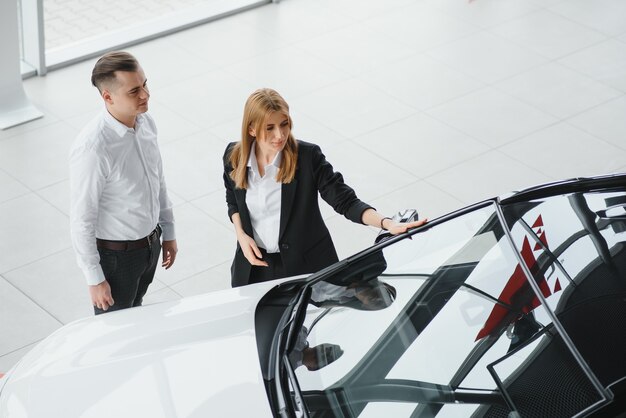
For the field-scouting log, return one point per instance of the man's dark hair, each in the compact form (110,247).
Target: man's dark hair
(104,70)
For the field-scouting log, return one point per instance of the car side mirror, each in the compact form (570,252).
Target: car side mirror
(404,216)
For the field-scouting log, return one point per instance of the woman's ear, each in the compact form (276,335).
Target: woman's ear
(252,131)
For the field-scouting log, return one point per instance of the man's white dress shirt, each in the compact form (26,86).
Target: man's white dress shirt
(117,188)
(263,201)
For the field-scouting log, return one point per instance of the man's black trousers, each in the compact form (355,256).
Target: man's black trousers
(129,274)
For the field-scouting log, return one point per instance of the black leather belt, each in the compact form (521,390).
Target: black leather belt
(130,245)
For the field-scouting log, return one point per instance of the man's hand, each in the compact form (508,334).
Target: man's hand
(101,295)
(250,250)
(169,253)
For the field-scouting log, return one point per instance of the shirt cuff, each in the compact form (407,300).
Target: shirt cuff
(169,233)
(94,276)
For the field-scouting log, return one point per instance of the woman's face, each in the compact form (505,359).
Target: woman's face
(274,133)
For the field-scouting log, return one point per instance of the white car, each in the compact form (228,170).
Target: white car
(512,307)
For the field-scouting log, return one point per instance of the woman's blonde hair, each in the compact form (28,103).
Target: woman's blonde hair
(258,107)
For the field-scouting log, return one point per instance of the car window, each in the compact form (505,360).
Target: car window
(439,324)
(575,246)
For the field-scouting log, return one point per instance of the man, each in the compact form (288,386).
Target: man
(119,203)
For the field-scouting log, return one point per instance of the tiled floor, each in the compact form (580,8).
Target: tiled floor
(431,104)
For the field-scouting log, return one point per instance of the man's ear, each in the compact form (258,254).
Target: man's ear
(106,95)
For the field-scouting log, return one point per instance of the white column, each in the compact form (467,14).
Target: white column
(33,39)
(15,108)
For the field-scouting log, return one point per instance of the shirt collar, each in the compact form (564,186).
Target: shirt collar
(254,165)
(118,127)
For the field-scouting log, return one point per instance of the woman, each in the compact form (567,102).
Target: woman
(272,182)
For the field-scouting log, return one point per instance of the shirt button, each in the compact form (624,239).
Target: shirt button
(284,246)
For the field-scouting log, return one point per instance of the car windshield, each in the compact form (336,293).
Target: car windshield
(445,323)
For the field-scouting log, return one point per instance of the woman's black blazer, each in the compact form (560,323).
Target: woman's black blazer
(304,241)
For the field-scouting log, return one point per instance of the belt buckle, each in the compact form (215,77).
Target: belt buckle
(150,237)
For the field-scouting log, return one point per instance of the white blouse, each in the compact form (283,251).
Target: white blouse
(263,198)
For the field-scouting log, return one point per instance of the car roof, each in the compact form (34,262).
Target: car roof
(578,184)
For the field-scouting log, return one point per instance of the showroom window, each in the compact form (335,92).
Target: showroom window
(56,33)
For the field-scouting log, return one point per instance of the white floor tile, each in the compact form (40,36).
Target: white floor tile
(56,284)
(557,90)
(65,93)
(351,108)
(492,117)
(355,49)
(486,57)
(175,198)
(606,121)
(216,278)
(207,100)
(421,27)
(9,360)
(326,210)
(22,322)
(362,9)
(30,229)
(367,173)
(304,128)
(350,238)
(228,131)
(294,21)
(78,122)
(170,124)
(180,64)
(193,166)
(214,205)
(489,175)
(605,16)
(309,130)
(226,42)
(486,13)
(563,151)
(287,70)
(202,244)
(422,145)
(10,187)
(548,3)
(422,82)
(429,201)
(549,34)
(47,119)
(156,284)
(604,62)
(38,158)
(58,195)
(163,295)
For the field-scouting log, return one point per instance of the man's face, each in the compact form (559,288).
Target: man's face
(128,95)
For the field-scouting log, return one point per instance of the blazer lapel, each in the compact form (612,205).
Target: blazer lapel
(288,193)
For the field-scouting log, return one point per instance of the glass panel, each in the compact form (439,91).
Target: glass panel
(75,29)
(68,22)
(575,245)
(423,325)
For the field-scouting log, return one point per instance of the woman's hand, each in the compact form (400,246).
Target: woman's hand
(250,250)
(396,228)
